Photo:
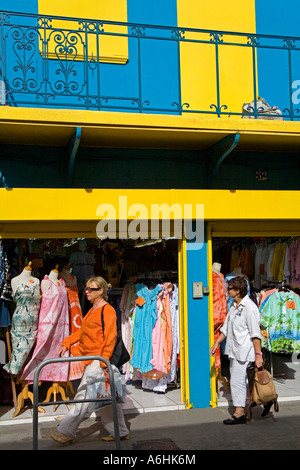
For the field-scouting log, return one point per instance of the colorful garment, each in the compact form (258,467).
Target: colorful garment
(219,308)
(145,318)
(277,265)
(294,261)
(24,326)
(53,328)
(160,385)
(76,369)
(158,358)
(280,315)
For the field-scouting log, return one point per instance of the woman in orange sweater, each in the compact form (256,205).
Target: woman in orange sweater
(89,340)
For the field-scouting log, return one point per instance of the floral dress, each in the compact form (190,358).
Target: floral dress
(52,330)
(24,325)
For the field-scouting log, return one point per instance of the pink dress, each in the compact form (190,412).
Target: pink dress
(52,330)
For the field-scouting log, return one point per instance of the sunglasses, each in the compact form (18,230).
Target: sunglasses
(91,289)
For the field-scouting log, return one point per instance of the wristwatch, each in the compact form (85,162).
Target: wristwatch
(259,354)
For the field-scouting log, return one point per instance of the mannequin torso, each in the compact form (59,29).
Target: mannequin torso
(68,277)
(24,277)
(216,267)
(53,276)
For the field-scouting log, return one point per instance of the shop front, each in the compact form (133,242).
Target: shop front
(96,235)
(265,253)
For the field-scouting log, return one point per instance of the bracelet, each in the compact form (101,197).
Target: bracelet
(259,354)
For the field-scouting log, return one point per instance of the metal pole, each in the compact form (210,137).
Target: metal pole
(70,359)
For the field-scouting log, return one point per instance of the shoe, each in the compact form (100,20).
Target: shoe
(62,440)
(235,420)
(267,408)
(111,438)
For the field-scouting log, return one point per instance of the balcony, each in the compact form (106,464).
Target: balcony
(86,64)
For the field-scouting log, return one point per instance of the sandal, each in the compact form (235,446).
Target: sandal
(62,440)
(112,438)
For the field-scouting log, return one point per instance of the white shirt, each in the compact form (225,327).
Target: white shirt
(242,324)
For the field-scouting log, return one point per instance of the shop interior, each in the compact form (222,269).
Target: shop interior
(271,266)
(128,266)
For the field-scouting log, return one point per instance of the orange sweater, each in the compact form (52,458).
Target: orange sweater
(89,338)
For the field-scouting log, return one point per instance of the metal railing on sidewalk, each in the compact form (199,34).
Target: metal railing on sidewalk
(113,398)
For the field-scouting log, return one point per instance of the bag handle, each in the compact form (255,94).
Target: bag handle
(102,320)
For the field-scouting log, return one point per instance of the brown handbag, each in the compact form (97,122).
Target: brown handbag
(263,391)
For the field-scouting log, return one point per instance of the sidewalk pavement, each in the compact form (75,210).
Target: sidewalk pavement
(174,431)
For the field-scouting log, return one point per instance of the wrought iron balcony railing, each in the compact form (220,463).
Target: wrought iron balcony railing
(90,64)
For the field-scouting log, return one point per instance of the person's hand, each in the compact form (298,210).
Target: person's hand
(213,349)
(62,351)
(259,361)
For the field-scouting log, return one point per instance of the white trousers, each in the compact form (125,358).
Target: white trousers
(238,382)
(78,411)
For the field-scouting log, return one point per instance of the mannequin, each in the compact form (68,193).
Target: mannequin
(237,271)
(52,329)
(26,292)
(53,276)
(220,312)
(217,267)
(75,368)
(67,276)
(24,277)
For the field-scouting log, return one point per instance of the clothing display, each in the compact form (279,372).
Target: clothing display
(262,260)
(24,325)
(53,326)
(147,312)
(280,316)
(273,285)
(75,319)
(219,308)
(150,329)
(145,318)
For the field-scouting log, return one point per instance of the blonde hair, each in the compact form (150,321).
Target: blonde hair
(101,284)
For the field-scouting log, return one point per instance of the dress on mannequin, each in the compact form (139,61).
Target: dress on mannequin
(219,304)
(75,317)
(53,328)
(26,294)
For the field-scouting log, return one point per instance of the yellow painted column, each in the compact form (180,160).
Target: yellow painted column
(198,60)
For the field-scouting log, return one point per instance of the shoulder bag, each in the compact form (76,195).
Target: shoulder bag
(120,355)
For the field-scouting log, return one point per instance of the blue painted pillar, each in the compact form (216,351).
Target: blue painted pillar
(198,326)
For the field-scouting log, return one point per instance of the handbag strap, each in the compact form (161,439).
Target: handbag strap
(102,319)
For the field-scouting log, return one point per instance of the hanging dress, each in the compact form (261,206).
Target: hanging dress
(219,309)
(52,330)
(75,318)
(145,318)
(24,325)
(280,315)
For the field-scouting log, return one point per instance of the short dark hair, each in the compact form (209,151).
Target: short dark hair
(239,283)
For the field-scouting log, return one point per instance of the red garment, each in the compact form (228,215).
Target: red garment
(219,308)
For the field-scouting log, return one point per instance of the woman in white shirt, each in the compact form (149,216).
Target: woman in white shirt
(243,344)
